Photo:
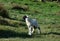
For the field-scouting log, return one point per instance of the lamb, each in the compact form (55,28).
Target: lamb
(31,24)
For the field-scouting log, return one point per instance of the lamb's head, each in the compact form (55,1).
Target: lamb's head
(24,17)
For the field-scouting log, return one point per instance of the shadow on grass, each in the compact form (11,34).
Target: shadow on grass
(13,24)
(56,33)
(13,34)
(5,22)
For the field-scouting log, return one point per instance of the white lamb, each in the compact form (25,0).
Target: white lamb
(31,24)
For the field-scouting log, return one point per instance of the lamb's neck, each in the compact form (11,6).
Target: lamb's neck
(26,19)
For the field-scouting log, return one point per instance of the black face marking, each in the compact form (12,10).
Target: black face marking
(24,17)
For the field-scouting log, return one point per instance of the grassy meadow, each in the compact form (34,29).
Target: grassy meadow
(47,15)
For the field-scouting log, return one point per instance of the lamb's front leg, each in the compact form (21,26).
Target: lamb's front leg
(30,30)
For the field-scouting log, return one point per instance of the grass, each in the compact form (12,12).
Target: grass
(47,15)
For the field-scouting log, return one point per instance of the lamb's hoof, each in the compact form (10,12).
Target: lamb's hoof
(29,35)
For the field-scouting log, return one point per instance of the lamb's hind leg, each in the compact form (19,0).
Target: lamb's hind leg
(39,30)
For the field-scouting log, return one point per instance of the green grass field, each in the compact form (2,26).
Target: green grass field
(47,15)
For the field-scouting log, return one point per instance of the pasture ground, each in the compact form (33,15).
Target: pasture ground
(47,15)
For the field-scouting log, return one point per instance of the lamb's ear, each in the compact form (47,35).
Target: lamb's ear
(24,18)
